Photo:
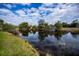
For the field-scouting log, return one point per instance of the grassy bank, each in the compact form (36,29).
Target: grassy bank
(72,30)
(11,45)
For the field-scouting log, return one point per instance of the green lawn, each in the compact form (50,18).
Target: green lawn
(11,45)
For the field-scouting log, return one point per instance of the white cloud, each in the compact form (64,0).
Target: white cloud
(62,12)
(9,16)
(49,5)
(8,5)
(70,12)
(21,13)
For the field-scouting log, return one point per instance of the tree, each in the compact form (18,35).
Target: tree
(24,28)
(8,27)
(34,28)
(64,24)
(43,29)
(74,23)
(41,21)
(1,24)
(52,29)
(58,25)
(43,26)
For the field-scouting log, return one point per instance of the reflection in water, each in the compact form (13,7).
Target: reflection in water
(58,34)
(42,36)
(64,44)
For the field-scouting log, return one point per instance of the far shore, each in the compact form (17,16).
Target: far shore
(72,30)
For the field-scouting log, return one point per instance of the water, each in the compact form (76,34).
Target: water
(66,44)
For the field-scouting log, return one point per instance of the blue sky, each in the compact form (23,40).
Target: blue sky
(16,13)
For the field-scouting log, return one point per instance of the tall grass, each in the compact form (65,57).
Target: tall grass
(11,45)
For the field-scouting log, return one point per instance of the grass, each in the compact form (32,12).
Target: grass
(72,30)
(11,45)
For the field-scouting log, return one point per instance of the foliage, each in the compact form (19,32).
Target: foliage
(74,23)
(34,28)
(58,25)
(1,24)
(24,28)
(8,27)
(64,24)
(43,26)
(43,29)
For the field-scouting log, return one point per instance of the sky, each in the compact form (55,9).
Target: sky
(16,13)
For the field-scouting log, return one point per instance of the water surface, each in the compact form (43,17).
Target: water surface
(66,44)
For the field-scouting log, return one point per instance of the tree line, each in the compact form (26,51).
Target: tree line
(42,26)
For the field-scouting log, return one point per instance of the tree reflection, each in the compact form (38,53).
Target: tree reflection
(42,35)
(58,34)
